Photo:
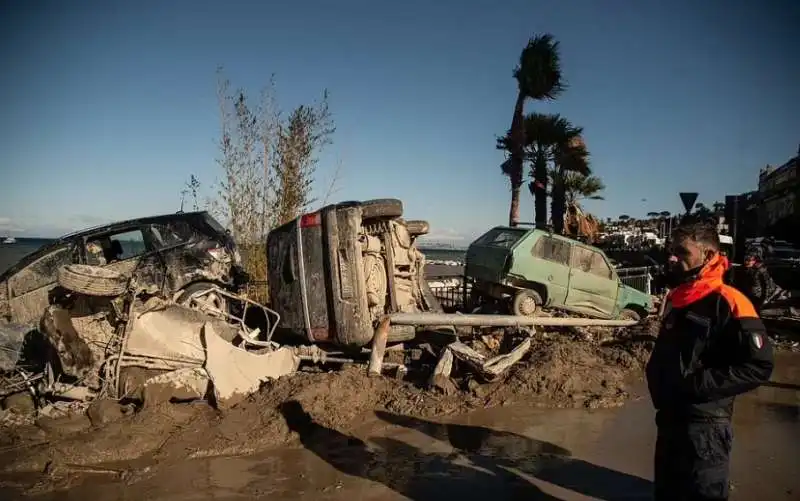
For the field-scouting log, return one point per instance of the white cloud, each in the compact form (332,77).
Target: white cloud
(445,235)
(7,225)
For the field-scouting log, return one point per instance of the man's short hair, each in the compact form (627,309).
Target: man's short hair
(702,232)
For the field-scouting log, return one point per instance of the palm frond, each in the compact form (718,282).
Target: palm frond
(539,71)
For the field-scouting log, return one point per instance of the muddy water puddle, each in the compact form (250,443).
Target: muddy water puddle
(513,452)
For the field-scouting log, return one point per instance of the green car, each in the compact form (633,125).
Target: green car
(527,268)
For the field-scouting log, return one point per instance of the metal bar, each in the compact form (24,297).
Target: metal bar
(301,268)
(455,319)
(345,360)
(390,270)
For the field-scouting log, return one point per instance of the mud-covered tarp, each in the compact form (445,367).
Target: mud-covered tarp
(12,339)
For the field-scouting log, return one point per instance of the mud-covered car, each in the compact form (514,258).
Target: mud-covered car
(527,268)
(178,255)
(334,273)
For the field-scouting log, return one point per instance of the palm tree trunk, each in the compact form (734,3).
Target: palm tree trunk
(558,204)
(517,157)
(540,189)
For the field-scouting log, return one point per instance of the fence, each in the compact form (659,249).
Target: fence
(450,291)
(640,278)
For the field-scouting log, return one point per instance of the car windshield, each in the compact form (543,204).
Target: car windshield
(501,237)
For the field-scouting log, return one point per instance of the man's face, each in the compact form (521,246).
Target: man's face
(750,262)
(688,254)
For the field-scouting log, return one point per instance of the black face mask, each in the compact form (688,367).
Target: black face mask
(675,275)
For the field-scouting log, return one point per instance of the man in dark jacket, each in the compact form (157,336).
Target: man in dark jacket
(756,283)
(711,347)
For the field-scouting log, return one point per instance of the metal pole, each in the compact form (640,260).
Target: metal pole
(456,319)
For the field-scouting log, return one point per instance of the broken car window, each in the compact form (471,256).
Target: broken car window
(501,237)
(170,235)
(117,247)
(552,249)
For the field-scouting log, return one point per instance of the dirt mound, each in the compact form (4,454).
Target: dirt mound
(568,368)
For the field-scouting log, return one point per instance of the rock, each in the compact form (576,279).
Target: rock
(20,403)
(104,410)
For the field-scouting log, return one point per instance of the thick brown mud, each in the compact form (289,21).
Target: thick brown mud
(516,451)
(342,435)
(566,369)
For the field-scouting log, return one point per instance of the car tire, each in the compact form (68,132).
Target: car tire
(381,208)
(400,333)
(417,228)
(186,297)
(526,302)
(629,314)
(92,280)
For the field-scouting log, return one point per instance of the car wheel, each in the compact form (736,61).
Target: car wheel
(526,302)
(381,208)
(418,228)
(193,297)
(628,314)
(400,333)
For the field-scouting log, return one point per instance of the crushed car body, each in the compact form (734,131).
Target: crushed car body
(333,274)
(175,254)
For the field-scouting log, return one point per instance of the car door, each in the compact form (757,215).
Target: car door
(29,288)
(550,258)
(593,288)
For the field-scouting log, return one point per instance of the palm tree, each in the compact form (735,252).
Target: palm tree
(578,187)
(571,157)
(545,136)
(538,77)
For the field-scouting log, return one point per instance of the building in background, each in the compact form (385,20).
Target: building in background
(779,194)
(742,218)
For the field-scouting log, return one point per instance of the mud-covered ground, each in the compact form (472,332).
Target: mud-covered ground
(586,368)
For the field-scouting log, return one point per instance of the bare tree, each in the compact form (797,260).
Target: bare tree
(268,165)
(307,130)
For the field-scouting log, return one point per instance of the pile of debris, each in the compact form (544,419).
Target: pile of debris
(109,373)
(139,347)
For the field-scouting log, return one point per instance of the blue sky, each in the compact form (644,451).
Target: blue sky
(108,107)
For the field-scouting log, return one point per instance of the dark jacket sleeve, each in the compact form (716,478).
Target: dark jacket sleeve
(767,283)
(744,361)
(756,291)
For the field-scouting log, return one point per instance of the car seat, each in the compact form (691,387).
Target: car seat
(115,251)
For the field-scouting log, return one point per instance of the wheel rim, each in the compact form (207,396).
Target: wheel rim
(527,306)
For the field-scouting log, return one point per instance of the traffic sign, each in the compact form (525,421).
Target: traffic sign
(688,200)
